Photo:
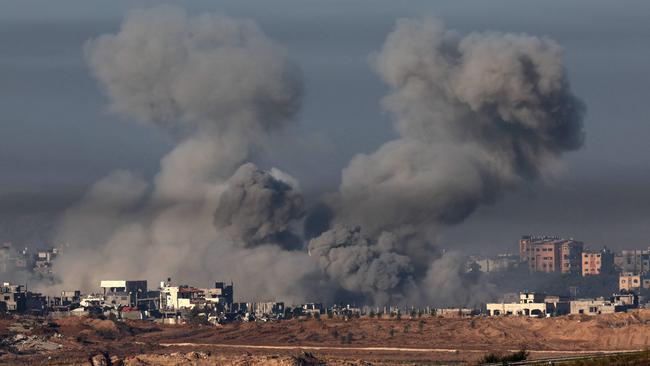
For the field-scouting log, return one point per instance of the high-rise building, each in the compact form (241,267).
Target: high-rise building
(597,262)
(551,254)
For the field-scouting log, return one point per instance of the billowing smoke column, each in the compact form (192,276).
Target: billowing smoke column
(361,265)
(477,116)
(258,208)
(220,86)
(218,82)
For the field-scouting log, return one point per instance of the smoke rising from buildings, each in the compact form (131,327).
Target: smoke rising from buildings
(477,116)
(218,85)
(258,208)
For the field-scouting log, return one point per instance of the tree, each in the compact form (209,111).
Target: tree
(371,314)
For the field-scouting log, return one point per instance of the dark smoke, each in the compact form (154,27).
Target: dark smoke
(477,116)
(258,208)
(360,264)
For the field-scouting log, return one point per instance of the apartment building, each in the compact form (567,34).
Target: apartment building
(597,262)
(551,254)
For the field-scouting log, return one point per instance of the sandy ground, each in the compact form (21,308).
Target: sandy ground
(386,341)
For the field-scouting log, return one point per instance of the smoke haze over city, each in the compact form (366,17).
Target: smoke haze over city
(354,159)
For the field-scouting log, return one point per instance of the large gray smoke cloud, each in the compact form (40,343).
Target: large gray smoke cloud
(220,86)
(360,264)
(168,68)
(477,116)
(258,208)
(218,81)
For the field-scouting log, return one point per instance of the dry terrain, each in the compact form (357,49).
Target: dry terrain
(387,341)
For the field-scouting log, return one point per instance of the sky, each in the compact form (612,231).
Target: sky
(58,137)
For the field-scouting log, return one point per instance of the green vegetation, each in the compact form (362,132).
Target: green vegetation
(521,355)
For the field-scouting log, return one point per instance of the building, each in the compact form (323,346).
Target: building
(501,263)
(551,254)
(597,262)
(123,292)
(261,309)
(594,307)
(187,297)
(530,304)
(44,260)
(636,261)
(221,294)
(617,303)
(629,281)
(14,297)
(312,308)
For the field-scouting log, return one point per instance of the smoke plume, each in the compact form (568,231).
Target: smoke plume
(257,208)
(477,116)
(360,264)
(219,86)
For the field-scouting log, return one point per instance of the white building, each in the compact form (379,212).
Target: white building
(530,304)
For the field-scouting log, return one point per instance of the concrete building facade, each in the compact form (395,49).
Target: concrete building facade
(530,304)
(123,292)
(629,281)
(636,261)
(597,262)
(551,254)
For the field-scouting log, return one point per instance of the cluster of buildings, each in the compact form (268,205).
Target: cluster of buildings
(170,302)
(37,262)
(553,254)
(541,305)
(132,299)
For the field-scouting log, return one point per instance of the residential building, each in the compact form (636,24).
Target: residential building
(629,281)
(14,297)
(187,297)
(123,292)
(597,262)
(636,261)
(500,263)
(551,254)
(530,304)
(594,306)
(312,308)
(617,303)
(261,309)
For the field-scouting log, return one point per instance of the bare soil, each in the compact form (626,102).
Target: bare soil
(387,341)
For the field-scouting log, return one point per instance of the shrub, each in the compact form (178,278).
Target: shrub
(520,355)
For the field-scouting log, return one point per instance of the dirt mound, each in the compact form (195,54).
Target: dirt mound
(209,359)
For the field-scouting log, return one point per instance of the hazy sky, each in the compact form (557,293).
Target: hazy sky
(57,137)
